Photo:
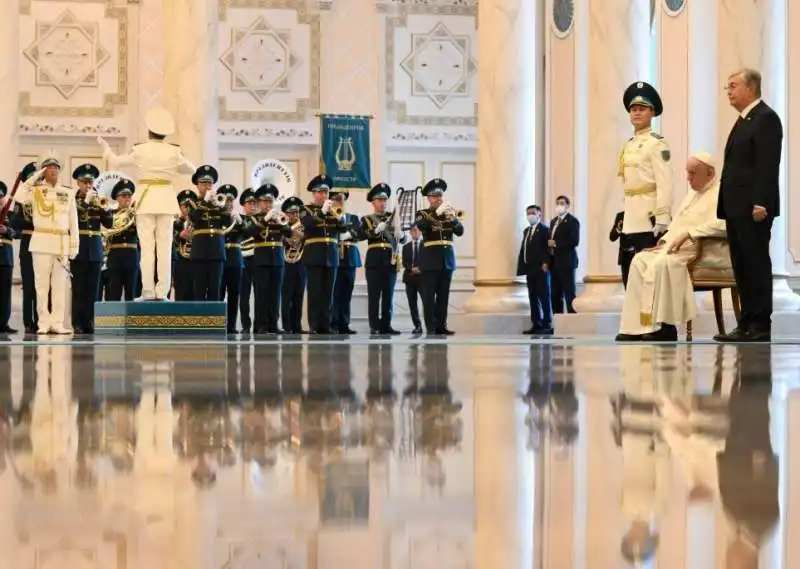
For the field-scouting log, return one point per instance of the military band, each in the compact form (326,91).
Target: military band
(122,258)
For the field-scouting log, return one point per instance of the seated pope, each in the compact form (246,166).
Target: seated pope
(660,296)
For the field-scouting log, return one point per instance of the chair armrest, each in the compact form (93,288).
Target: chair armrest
(700,241)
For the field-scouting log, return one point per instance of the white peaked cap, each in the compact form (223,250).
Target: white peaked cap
(706,158)
(159,121)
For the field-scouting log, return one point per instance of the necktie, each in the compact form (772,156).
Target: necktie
(414,255)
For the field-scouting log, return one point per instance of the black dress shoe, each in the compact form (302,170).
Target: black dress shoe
(628,338)
(347,331)
(232,331)
(757,334)
(545,331)
(531,330)
(736,335)
(446,332)
(667,333)
(390,331)
(417,330)
(10,330)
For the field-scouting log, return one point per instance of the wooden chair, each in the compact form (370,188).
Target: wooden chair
(714,278)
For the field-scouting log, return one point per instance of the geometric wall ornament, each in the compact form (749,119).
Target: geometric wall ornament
(67,54)
(260,60)
(439,65)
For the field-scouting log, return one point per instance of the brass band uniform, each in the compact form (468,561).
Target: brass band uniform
(6,267)
(209,220)
(381,261)
(183,247)
(86,267)
(349,261)
(54,242)
(438,224)
(320,252)
(267,232)
(122,260)
(21,221)
(248,202)
(294,276)
(232,272)
(645,172)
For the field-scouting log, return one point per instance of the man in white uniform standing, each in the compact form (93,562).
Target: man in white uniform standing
(660,296)
(54,242)
(157,163)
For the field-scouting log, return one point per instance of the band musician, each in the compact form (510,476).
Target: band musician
(248,202)
(122,261)
(232,272)
(6,266)
(209,218)
(182,228)
(349,261)
(21,221)
(294,276)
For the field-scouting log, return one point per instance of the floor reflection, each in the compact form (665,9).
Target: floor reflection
(397,456)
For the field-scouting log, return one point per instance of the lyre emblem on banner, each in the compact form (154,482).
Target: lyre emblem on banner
(345,153)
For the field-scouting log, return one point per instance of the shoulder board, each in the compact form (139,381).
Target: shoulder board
(67,187)
(656,135)
(173,144)
(631,138)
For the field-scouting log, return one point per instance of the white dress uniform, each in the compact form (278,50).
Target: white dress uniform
(157,163)
(54,242)
(659,288)
(646,175)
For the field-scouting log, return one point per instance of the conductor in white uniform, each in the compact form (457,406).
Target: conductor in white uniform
(660,296)
(157,163)
(54,242)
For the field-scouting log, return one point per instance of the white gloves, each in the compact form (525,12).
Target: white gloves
(210,196)
(91,195)
(659,229)
(441,209)
(273,215)
(345,236)
(236,217)
(326,207)
(102,142)
(73,250)
(380,228)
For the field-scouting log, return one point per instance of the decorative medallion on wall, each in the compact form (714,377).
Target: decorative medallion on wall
(563,17)
(260,60)
(67,54)
(674,7)
(439,65)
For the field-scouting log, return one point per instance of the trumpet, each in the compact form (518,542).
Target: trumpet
(337,211)
(219,200)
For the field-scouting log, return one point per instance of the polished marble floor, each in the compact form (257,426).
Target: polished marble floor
(474,452)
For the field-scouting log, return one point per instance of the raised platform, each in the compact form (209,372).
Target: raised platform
(160,318)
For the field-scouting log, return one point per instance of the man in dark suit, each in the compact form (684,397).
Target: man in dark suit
(749,201)
(412,276)
(6,267)
(565,233)
(533,264)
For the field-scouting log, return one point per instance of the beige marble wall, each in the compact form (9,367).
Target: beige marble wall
(150,39)
(9,71)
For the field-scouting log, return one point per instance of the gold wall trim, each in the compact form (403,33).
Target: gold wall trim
(602,279)
(498,283)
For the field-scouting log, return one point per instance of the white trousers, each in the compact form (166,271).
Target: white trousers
(659,291)
(50,277)
(155,238)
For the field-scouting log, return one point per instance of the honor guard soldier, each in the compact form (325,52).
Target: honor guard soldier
(21,221)
(209,220)
(86,267)
(438,224)
(322,225)
(6,266)
(267,232)
(294,276)
(232,273)
(381,261)
(249,206)
(645,170)
(349,261)
(183,247)
(54,242)
(122,260)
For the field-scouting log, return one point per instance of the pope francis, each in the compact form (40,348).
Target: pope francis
(659,296)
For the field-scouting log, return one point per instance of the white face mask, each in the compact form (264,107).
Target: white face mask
(560,210)
(532,219)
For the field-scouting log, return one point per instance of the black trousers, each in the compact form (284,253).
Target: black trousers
(182,276)
(752,268)
(244,294)
(231,287)
(320,297)
(207,279)
(85,292)
(5,297)
(435,298)
(634,242)
(122,283)
(268,282)
(294,287)
(29,315)
(413,290)
(625,260)
(380,296)
(538,282)
(342,298)
(562,288)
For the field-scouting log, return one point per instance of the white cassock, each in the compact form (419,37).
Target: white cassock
(157,163)
(54,242)
(659,288)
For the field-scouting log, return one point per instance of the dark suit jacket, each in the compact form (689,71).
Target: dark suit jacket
(537,251)
(752,160)
(408,260)
(567,236)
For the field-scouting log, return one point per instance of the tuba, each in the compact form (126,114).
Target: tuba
(294,249)
(123,219)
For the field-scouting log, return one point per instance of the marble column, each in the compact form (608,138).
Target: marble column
(9,78)
(508,41)
(190,76)
(605,32)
